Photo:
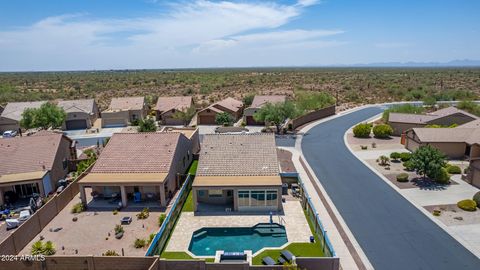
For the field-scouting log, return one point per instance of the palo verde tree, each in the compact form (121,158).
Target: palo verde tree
(47,116)
(147,125)
(276,113)
(428,161)
(185,116)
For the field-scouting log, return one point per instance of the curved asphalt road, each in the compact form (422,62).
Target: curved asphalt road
(391,231)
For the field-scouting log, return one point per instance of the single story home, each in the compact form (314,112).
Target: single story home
(238,173)
(456,143)
(257,103)
(81,113)
(34,164)
(139,167)
(190,132)
(123,111)
(167,106)
(401,122)
(229,105)
(12,114)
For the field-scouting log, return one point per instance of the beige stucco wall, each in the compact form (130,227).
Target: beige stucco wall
(451,150)
(115,118)
(64,153)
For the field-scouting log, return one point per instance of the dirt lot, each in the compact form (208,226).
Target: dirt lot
(93,232)
(285,160)
(381,144)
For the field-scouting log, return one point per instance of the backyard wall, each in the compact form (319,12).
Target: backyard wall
(19,238)
(313,116)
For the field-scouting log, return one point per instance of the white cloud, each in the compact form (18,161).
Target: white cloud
(178,38)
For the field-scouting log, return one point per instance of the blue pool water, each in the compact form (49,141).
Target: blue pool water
(208,240)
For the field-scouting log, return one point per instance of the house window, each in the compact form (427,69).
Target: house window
(134,117)
(215,193)
(258,198)
(65,163)
(243,198)
(271,197)
(183,161)
(201,193)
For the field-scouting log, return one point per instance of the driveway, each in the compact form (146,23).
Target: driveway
(391,231)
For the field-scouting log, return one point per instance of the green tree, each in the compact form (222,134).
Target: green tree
(248,99)
(185,116)
(469,106)
(47,116)
(147,125)
(428,161)
(362,130)
(382,131)
(395,156)
(309,101)
(224,118)
(276,113)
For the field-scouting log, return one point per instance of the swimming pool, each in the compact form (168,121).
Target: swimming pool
(206,241)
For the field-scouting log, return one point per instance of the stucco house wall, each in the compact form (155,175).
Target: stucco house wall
(399,128)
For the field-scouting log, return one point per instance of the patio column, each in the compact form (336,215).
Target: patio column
(41,189)
(194,199)
(1,196)
(124,196)
(83,197)
(235,199)
(162,195)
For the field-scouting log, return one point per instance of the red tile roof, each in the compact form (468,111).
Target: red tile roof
(138,153)
(169,103)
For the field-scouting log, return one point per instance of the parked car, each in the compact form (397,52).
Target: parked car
(24,215)
(15,222)
(9,134)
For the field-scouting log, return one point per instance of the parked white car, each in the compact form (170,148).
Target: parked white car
(9,134)
(15,222)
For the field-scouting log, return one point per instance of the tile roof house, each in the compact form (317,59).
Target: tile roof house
(238,172)
(401,122)
(257,103)
(123,111)
(229,105)
(34,164)
(12,114)
(81,113)
(167,106)
(140,166)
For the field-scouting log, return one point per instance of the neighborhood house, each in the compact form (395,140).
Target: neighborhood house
(12,114)
(139,167)
(81,114)
(229,105)
(257,103)
(167,106)
(401,122)
(33,164)
(124,111)
(238,173)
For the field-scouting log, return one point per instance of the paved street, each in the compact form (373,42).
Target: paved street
(391,231)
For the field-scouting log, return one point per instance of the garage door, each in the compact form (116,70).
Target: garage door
(207,119)
(76,124)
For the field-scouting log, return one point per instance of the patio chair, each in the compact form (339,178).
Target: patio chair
(126,220)
(287,254)
(268,261)
(137,197)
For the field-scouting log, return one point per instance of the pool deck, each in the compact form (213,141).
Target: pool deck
(293,219)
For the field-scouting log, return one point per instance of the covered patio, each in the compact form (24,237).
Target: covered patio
(24,185)
(110,189)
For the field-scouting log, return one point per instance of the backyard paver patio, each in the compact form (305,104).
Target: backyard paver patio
(293,219)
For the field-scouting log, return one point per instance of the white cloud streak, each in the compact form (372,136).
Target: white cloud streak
(186,36)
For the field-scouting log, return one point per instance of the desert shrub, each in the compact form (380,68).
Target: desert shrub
(453,169)
(395,156)
(115,212)
(402,177)
(382,131)
(362,130)
(39,248)
(118,229)
(408,165)
(437,212)
(150,238)
(139,243)
(405,156)
(161,219)
(383,160)
(442,177)
(476,198)
(143,214)
(77,208)
(467,205)
(405,108)
(110,253)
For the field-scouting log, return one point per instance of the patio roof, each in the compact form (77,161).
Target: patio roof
(124,178)
(21,177)
(237,181)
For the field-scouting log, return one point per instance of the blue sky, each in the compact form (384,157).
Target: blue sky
(108,34)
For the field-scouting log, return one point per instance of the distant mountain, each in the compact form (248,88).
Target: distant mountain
(453,63)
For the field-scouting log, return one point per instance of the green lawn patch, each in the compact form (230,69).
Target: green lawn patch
(178,255)
(188,205)
(193,167)
(298,249)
